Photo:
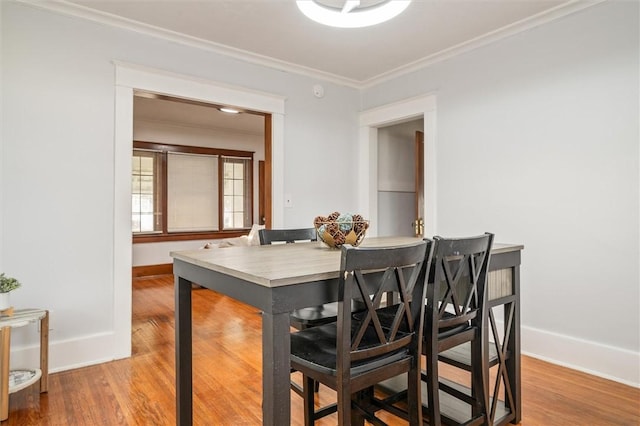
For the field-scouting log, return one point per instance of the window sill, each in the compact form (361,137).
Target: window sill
(186,236)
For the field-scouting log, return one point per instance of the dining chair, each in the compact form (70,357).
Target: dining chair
(458,284)
(454,322)
(357,351)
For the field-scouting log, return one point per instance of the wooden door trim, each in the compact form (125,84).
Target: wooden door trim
(268,170)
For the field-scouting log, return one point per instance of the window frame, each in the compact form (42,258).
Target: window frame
(157,200)
(247,186)
(163,235)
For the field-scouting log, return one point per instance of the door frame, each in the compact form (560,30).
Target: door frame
(128,78)
(419,172)
(369,122)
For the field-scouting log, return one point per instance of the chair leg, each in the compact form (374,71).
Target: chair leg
(360,404)
(414,401)
(344,406)
(433,399)
(309,403)
(368,416)
(478,388)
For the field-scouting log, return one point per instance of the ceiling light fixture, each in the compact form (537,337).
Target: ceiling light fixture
(352,15)
(229,110)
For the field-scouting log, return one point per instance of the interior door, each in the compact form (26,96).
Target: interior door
(418,223)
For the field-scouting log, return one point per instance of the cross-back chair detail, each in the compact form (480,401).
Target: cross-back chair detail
(403,322)
(455,314)
(371,345)
(501,350)
(460,274)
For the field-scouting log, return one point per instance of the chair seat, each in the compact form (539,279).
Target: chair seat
(315,348)
(314,315)
(386,316)
(445,332)
(318,315)
(460,356)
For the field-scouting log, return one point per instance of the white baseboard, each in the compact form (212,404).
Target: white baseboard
(593,358)
(67,354)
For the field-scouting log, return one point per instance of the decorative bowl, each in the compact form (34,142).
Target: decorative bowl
(338,229)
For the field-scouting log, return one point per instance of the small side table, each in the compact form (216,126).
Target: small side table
(19,318)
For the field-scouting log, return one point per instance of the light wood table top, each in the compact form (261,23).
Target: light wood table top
(285,264)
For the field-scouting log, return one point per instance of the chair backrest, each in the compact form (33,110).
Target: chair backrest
(268,236)
(365,275)
(457,282)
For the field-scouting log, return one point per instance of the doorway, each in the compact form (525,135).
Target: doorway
(164,123)
(424,108)
(129,78)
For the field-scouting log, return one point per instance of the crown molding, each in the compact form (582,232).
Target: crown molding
(491,37)
(75,10)
(78,11)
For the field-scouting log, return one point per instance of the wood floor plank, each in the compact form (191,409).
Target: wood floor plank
(227,377)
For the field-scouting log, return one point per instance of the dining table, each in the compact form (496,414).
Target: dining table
(279,278)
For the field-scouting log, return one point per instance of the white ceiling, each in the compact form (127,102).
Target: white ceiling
(153,109)
(275,33)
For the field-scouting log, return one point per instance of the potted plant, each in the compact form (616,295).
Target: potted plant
(7,284)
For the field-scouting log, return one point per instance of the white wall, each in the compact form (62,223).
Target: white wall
(58,163)
(319,171)
(171,133)
(537,141)
(541,131)
(1,139)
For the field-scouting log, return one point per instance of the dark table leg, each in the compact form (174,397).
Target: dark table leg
(513,363)
(276,369)
(184,373)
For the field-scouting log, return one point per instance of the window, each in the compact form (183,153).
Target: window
(145,194)
(181,192)
(236,177)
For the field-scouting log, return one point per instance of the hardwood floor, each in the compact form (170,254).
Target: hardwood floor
(227,385)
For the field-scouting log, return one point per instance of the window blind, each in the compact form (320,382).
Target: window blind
(192,192)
